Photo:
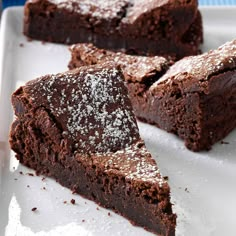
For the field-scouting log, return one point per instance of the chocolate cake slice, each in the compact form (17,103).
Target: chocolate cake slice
(139,27)
(140,72)
(196,98)
(79,128)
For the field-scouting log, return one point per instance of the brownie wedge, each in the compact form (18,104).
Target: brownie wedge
(138,27)
(79,128)
(196,98)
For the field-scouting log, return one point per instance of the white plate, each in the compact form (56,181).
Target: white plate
(202,184)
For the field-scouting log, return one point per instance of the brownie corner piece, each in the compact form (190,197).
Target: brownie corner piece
(195,99)
(79,128)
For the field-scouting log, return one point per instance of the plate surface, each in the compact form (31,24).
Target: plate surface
(202,184)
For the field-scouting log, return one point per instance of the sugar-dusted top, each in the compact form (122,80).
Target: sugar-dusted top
(139,7)
(90,104)
(134,68)
(135,163)
(203,66)
(96,8)
(108,9)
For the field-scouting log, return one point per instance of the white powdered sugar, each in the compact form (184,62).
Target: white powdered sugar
(95,8)
(205,65)
(135,68)
(92,107)
(135,163)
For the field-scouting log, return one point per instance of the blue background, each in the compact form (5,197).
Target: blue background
(217,2)
(7,3)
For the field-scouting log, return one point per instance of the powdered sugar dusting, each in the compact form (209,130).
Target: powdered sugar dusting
(141,6)
(138,68)
(92,106)
(135,163)
(99,8)
(205,65)
(135,68)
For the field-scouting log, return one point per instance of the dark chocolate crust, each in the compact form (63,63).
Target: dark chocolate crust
(193,99)
(141,27)
(119,174)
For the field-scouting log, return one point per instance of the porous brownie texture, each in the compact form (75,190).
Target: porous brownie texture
(79,128)
(151,27)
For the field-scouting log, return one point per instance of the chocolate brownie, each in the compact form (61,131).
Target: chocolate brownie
(195,99)
(140,72)
(141,27)
(79,128)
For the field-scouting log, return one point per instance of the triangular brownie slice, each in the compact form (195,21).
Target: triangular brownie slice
(79,128)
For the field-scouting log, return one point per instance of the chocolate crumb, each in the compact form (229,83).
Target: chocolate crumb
(83,220)
(85,202)
(34,209)
(65,202)
(165,177)
(44,188)
(43,178)
(30,174)
(109,214)
(21,172)
(223,142)
(97,209)
(28,186)
(15,179)
(72,201)
(21,45)
(186,190)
